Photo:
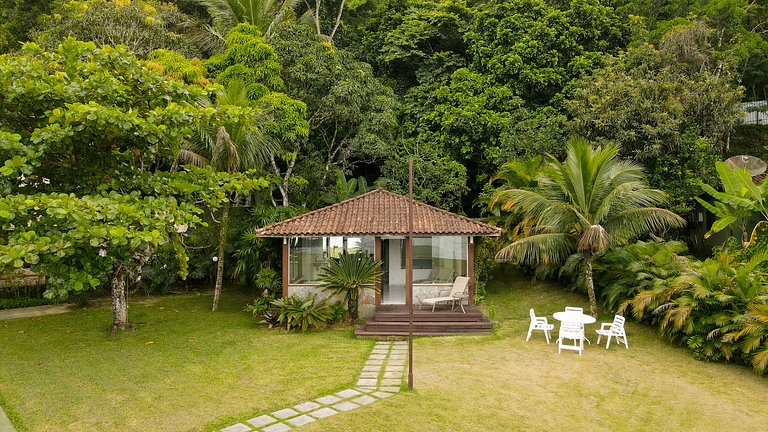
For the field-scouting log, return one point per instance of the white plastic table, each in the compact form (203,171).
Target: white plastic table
(575,317)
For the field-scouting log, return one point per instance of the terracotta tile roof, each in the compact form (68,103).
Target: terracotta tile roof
(377,212)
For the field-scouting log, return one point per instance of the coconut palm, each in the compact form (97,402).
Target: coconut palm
(583,206)
(348,275)
(236,146)
(264,14)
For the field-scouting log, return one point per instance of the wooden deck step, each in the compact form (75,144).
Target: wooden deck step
(392,320)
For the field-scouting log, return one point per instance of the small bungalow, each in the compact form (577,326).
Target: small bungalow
(377,223)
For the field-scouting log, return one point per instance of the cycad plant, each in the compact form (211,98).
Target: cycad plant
(586,205)
(348,275)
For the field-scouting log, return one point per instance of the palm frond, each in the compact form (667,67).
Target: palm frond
(546,248)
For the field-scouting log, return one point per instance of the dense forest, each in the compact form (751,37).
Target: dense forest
(140,138)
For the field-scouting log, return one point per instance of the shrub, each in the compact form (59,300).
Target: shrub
(298,312)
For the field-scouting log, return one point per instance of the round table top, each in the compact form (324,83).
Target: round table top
(574,317)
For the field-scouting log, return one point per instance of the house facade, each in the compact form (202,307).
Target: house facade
(376,223)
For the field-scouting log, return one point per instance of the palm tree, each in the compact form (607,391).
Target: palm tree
(348,275)
(236,146)
(264,14)
(583,206)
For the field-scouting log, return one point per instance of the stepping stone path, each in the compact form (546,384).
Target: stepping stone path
(381,378)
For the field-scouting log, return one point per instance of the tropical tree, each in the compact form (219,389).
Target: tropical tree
(348,276)
(84,135)
(584,206)
(230,147)
(740,200)
(263,14)
(141,25)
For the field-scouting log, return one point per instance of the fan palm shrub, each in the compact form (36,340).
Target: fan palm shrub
(348,275)
(584,206)
(623,273)
(708,308)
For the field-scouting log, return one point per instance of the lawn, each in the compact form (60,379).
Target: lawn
(186,368)
(207,370)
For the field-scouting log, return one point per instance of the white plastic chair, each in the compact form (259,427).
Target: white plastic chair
(573,331)
(614,329)
(581,311)
(539,323)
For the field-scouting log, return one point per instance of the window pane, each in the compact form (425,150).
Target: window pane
(306,258)
(309,254)
(422,253)
(360,244)
(449,258)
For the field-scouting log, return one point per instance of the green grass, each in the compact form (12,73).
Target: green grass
(500,382)
(186,368)
(207,370)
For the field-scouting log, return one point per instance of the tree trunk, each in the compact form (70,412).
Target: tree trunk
(590,285)
(119,302)
(220,262)
(352,306)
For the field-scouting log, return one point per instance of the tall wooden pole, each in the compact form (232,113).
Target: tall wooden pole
(409,273)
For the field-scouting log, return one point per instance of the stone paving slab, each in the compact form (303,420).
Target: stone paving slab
(5,423)
(306,406)
(390,389)
(346,406)
(236,428)
(34,311)
(323,413)
(327,400)
(364,400)
(300,420)
(284,413)
(260,421)
(386,356)
(279,427)
(347,393)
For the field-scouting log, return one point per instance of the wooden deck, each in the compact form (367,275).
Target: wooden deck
(392,320)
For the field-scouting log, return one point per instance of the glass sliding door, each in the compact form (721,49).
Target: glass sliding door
(393,280)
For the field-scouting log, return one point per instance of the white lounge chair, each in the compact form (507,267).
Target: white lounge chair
(573,331)
(614,329)
(457,293)
(539,323)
